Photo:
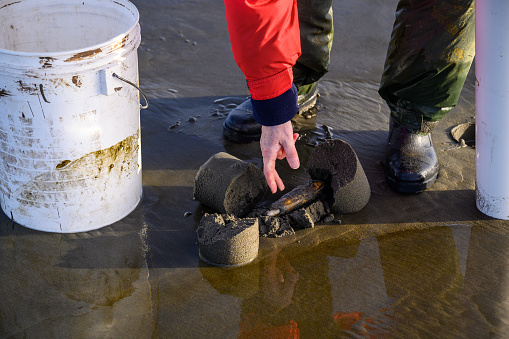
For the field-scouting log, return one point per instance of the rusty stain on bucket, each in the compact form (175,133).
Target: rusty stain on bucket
(63,164)
(121,43)
(118,3)
(42,93)
(76,80)
(28,89)
(62,82)
(12,3)
(69,178)
(46,62)
(4,93)
(84,55)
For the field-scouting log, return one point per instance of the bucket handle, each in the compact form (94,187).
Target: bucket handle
(130,83)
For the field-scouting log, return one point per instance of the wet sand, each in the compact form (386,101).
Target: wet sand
(426,265)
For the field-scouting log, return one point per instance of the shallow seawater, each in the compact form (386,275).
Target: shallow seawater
(126,281)
(428,265)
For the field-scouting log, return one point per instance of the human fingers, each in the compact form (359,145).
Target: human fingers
(281,153)
(271,176)
(290,152)
(274,142)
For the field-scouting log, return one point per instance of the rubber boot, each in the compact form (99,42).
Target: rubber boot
(241,127)
(429,56)
(411,165)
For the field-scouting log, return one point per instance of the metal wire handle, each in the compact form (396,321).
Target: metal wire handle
(130,83)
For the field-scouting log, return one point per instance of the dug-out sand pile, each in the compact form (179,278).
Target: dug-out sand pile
(233,187)
(284,224)
(229,185)
(335,163)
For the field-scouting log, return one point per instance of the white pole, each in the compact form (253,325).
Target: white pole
(492,107)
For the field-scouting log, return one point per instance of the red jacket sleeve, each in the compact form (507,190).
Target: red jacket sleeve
(265,40)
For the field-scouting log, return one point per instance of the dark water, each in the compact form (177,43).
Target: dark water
(429,265)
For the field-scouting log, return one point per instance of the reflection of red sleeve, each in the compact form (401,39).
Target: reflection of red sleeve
(375,326)
(252,328)
(265,40)
(347,320)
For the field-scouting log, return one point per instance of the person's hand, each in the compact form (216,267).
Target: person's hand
(278,142)
(278,280)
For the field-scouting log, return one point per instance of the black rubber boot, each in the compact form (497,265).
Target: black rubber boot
(411,165)
(241,127)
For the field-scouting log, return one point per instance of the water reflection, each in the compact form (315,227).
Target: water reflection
(91,284)
(422,273)
(486,310)
(444,281)
(404,284)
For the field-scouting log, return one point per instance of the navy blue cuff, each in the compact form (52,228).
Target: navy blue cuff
(278,110)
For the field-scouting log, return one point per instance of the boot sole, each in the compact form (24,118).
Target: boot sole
(410,187)
(310,102)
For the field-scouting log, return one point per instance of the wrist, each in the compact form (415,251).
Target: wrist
(278,110)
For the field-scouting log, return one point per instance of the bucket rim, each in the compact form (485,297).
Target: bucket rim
(59,54)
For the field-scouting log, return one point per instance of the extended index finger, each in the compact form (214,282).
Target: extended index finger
(291,152)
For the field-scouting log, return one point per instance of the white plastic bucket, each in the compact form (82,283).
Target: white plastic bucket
(492,107)
(70,155)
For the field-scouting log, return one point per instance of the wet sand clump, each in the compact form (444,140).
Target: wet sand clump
(306,217)
(286,224)
(464,134)
(274,227)
(225,240)
(229,185)
(335,163)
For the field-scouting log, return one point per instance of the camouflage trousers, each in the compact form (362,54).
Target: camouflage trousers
(431,50)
